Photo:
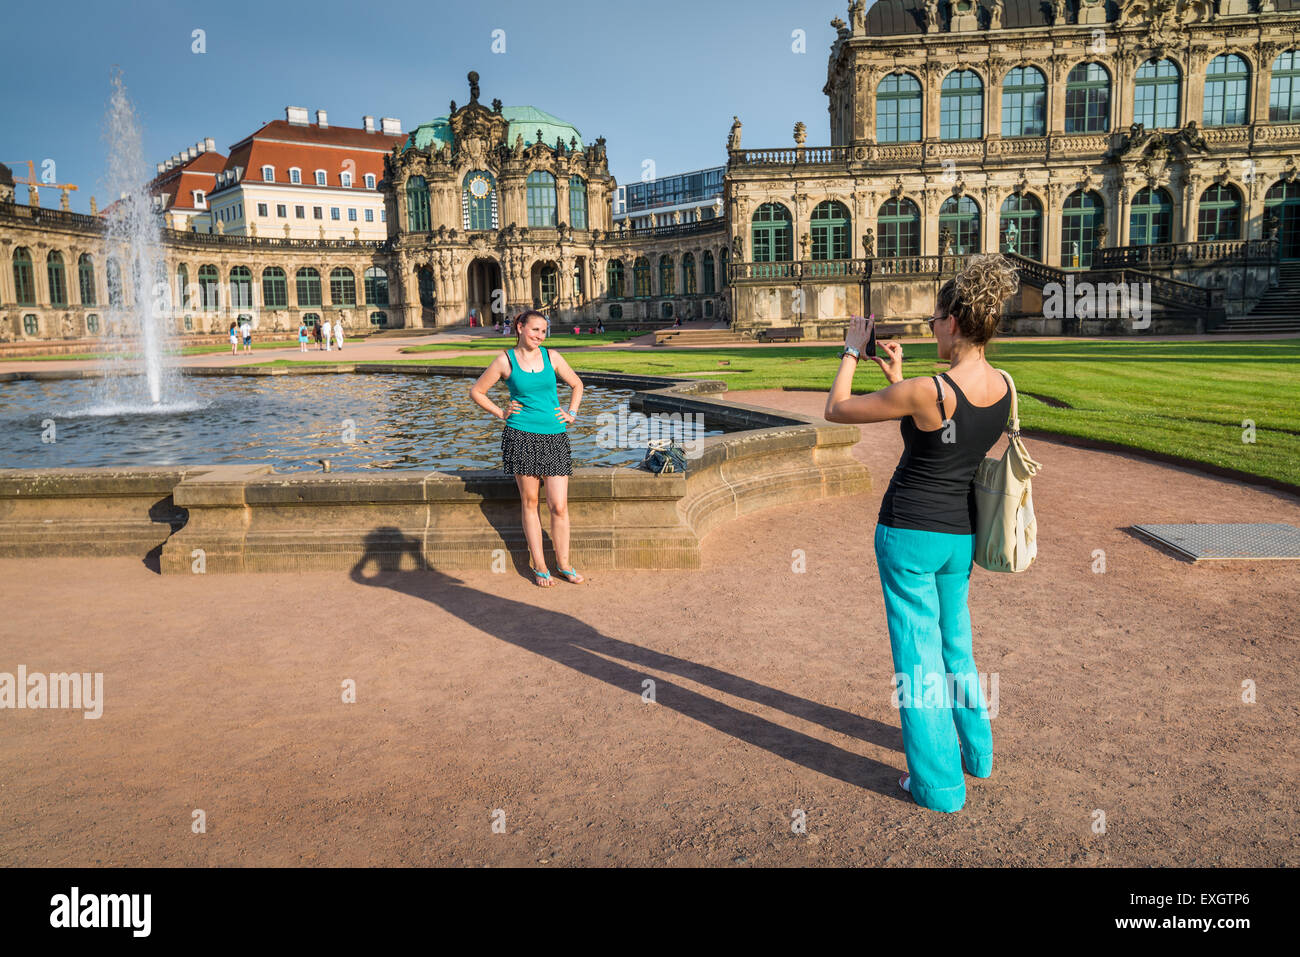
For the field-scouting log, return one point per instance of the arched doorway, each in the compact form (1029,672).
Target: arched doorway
(482,281)
(546,285)
(428,293)
(1282,202)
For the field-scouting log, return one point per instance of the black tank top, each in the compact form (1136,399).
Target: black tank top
(932,487)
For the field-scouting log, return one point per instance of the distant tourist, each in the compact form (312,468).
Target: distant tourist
(302,337)
(247,330)
(473,317)
(577,330)
(535,442)
(338,333)
(234,339)
(924,539)
(600,327)
(328,332)
(316,335)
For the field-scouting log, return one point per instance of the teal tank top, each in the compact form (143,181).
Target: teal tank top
(537,393)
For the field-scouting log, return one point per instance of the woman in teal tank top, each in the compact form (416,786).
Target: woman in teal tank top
(535,442)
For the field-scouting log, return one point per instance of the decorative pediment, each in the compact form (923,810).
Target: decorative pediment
(1165,20)
(1140,143)
(475,128)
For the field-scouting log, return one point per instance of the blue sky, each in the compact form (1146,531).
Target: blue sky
(659,81)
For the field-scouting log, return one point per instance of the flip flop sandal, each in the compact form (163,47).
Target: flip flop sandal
(905,782)
(569,574)
(540,579)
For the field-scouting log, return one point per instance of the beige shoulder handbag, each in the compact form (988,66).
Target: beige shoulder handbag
(1006,533)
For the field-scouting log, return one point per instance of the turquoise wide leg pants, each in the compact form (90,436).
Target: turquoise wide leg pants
(925,577)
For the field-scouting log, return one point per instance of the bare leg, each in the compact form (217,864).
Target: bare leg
(529,486)
(557,500)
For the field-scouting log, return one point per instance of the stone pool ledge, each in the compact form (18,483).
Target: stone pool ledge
(226,519)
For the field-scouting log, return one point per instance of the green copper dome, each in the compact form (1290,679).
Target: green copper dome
(524,121)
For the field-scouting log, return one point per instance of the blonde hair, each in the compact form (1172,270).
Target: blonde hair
(976,295)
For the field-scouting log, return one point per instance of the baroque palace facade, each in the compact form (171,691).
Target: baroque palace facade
(1146,142)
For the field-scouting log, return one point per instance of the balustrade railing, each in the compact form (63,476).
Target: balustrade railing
(791,156)
(1199,253)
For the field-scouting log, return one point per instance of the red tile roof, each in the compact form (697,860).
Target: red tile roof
(178,183)
(283,145)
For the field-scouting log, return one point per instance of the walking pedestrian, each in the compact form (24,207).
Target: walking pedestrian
(234,339)
(327,331)
(338,333)
(247,330)
(302,337)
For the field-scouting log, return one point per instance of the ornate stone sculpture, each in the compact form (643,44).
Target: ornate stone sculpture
(931,16)
(1010,235)
(800,134)
(473,86)
(857,15)
(995,15)
(869,244)
(738,247)
(1058,12)
(496,105)
(945,240)
(733,141)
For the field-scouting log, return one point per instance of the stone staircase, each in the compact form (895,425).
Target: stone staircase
(1278,310)
(700,338)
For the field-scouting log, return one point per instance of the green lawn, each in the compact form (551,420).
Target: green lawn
(187,351)
(1184,399)
(559,340)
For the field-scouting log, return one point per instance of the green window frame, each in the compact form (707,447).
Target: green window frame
(898,109)
(183,286)
(241,288)
(1087,99)
(375,281)
(417,205)
(666,285)
(86,279)
(1081,214)
(577,202)
(710,279)
(549,284)
(772,230)
(724,256)
(427,288)
(1156,93)
(1151,218)
(1024,102)
(57,277)
(343,287)
(1218,214)
(113,276)
(275,288)
(615,313)
(307,283)
(541,199)
(690,282)
(614,278)
(1284,88)
(1227,82)
(379,319)
(479,212)
(92,323)
(961,106)
(31,325)
(210,287)
(829,227)
(1025,212)
(641,278)
(899,228)
(961,215)
(1283,201)
(24,278)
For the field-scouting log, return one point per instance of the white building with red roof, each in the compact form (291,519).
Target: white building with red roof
(302,180)
(183,184)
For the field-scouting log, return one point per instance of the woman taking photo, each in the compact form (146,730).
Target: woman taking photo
(534,443)
(924,541)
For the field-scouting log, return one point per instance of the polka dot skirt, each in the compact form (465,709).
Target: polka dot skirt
(530,453)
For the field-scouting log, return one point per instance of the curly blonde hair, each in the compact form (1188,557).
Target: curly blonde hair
(976,295)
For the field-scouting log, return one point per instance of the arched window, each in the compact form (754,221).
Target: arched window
(1087,99)
(343,287)
(641,277)
(375,280)
(241,288)
(24,279)
(1283,202)
(666,286)
(689,286)
(898,109)
(830,230)
(1024,102)
(961,106)
(1020,226)
(1218,215)
(183,286)
(92,323)
(57,277)
(577,202)
(541,199)
(86,279)
(1151,218)
(113,276)
(209,284)
(1080,216)
(724,256)
(615,312)
(417,204)
(710,281)
(549,284)
(1155,95)
(900,229)
(478,199)
(379,318)
(308,282)
(961,217)
(1226,82)
(275,288)
(31,324)
(1284,88)
(428,290)
(772,231)
(614,278)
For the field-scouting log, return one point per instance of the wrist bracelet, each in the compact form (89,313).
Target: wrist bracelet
(850,352)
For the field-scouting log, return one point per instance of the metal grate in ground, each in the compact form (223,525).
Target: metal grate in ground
(1203,542)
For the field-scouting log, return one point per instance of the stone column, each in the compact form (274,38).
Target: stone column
(562,199)
(990,235)
(1125,197)
(1052,225)
(1056,75)
(1194,84)
(1261,74)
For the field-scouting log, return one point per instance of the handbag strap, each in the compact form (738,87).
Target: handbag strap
(1014,428)
(938,384)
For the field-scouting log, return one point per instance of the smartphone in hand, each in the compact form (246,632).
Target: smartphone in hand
(870,348)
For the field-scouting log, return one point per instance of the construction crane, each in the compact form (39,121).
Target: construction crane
(32,183)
